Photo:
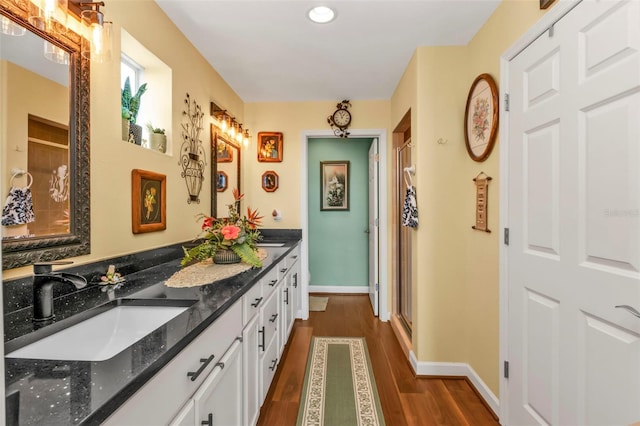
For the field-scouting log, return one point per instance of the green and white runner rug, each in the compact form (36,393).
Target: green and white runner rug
(339,387)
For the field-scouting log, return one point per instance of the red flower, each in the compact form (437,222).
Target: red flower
(237,195)
(253,219)
(208,222)
(230,232)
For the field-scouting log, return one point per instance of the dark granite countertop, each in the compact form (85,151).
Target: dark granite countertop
(87,392)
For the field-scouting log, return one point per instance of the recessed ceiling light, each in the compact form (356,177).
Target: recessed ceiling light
(321,14)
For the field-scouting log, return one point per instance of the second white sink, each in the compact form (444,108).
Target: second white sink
(102,336)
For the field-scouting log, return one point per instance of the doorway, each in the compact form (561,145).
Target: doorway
(380,135)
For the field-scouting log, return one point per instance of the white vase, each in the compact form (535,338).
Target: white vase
(158,142)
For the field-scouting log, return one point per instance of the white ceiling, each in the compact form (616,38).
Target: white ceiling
(269,51)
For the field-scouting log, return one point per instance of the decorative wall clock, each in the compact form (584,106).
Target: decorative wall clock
(340,119)
(481,118)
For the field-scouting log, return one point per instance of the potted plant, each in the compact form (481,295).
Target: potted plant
(130,108)
(157,138)
(126,116)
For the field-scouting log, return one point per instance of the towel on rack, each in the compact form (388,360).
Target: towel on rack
(410,209)
(18,208)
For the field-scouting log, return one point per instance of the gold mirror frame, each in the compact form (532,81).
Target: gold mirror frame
(27,251)
(215,135)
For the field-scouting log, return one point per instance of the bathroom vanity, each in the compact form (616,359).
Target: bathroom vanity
(211,362)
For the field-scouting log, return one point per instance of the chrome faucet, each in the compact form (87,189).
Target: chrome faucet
(43,280)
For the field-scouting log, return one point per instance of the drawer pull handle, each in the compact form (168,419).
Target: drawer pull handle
(273,318)
(286,300)
(257,302)
(272,283)
(273,364)
(261,332)
(295,280)
(294,256)
(194,374)
(221,365)
(283,270)
(209,421)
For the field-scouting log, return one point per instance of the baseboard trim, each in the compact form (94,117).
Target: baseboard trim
(338,289)
(458,369)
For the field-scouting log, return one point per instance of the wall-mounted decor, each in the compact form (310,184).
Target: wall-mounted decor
(270,147)
(148,201)
(340,120)
(270,181)
(334,181)
(544,4)
(481,118)
(222,181)
(224,153)
(482,198)
(192,155)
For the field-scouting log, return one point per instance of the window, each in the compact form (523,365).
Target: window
(129,68)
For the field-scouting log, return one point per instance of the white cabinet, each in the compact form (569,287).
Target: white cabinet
(218,401)
(250,359)
(158,401)
(186,416)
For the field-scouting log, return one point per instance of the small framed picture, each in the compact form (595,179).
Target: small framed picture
(222,182)
(270,181)
(224,152)
(334,182)
(270,147)
(148,201)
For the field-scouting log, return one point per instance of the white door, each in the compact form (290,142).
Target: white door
(373,225)
(574,219)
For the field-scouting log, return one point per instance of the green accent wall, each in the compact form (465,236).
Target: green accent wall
(338,245)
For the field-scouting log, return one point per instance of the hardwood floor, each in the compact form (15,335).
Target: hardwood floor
(405,399)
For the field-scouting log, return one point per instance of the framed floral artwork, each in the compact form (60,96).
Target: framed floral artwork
(270,147)
(270,181)
(148,201)
(334,185)
(481,118)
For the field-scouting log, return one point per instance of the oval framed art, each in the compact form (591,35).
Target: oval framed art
(481,117)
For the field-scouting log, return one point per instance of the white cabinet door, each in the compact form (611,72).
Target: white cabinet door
(219,399)
(268,365)
(250,371)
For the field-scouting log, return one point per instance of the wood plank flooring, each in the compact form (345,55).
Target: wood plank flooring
(405,399)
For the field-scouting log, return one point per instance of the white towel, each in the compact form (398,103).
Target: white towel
(18,208)
(410,210)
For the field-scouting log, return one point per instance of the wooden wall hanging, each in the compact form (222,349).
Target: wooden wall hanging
(482,198)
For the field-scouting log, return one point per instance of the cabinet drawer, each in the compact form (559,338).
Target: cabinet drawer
(251,303)
(268,365)
(269,318)
(269,282)
(159,400)
(292,257)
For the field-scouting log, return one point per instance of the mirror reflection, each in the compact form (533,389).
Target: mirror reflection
(36,144)
(44,141)
(225,172)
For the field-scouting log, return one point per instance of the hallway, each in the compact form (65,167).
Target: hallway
(405,399)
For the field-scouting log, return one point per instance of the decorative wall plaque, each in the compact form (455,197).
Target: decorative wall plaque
(482,198)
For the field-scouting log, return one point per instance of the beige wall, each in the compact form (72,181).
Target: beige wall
(112,159)
(455,282)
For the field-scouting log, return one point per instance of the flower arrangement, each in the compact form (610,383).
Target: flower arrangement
(236,233)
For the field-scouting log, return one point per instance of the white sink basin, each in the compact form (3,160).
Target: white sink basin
(270,244)
(102,336)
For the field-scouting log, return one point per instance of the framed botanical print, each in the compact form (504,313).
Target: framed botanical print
(148,201)
(334,185)
(481,118)
(270,147)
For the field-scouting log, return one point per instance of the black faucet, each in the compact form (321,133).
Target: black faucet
(43,280)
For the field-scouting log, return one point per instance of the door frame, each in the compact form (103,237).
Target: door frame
(381,134)
(546,21)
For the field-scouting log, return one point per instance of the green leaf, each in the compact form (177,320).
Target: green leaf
(247,254)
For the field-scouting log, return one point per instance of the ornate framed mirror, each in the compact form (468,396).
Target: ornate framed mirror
(226,156)
(53,149)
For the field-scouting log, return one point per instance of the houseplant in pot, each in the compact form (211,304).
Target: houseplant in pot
(157,138)
(130,108)
(229,239)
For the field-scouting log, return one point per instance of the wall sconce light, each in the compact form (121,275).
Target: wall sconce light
(228,125)
(99,32)
(47,12)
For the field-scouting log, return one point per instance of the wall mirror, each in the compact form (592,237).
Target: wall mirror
(226,157)
(45,111)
